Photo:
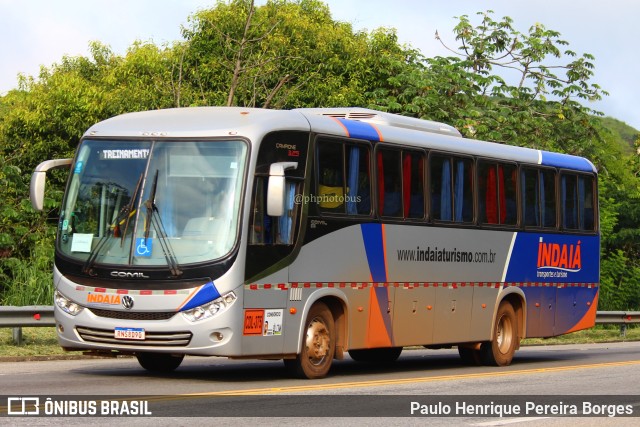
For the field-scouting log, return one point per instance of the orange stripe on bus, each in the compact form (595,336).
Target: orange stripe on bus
(346,131)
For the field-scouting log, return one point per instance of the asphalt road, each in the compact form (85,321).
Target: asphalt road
(545,376)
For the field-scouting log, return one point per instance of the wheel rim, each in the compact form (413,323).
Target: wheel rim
(504,334)
(318,341)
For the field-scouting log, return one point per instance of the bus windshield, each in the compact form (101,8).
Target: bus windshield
(150,203)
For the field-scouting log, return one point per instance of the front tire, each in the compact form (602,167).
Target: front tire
(159,362)
(500,350)
(318,345)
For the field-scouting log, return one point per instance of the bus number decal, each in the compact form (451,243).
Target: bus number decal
(253,321)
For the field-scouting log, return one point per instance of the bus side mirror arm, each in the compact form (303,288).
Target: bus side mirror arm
(39,177)
(276,188)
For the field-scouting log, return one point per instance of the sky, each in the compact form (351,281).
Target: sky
(37,33)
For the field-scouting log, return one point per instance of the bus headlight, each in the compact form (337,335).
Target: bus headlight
(210,309)
(66,305)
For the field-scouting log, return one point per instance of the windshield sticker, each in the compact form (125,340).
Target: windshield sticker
(81,242)
(143,246)
(78,168)
(124,154)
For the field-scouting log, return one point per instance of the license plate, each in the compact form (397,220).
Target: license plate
(129,333)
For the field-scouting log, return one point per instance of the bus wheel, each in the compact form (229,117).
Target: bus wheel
(159,362)
(376,355)
(470,356)
(318,345)
(500,350)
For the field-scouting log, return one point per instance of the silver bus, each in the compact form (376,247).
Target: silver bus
(307,234)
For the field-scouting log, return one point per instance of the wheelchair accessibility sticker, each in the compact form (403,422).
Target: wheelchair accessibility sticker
(143,246)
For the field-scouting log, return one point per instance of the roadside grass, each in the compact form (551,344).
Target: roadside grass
(43,341)
(598,334)
(35,342)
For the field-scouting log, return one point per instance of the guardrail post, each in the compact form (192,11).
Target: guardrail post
(623,330)
(17,335)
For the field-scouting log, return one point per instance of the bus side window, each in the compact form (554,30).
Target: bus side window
(440,185)
(463,190)
(413,184)
(335,193)
(509,198)
(331,177)
(389,183)
(585,203)
(569,200)
(487,193)
(358,191)
(497,193)
(260,230)
(548,198)
(538,202)
(530,198)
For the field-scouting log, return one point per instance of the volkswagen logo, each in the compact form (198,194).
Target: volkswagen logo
(127,302)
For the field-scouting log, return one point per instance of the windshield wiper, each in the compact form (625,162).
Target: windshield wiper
(161,231)
(124,215)
(128,211)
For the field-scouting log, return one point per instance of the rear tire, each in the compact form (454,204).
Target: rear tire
(159,362)
(499,351)
(376,355)
(318,345)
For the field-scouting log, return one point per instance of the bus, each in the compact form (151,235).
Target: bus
(307,234)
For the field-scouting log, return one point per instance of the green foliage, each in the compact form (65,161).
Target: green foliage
(284,54)
(523,88)
(624,134)
(29,280)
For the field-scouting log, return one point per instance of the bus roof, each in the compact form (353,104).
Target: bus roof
(358,123)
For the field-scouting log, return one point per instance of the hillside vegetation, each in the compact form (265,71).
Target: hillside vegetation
(288,54)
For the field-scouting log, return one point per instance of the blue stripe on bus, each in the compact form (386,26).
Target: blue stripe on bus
(360,130)
(566,161)
(373,245)
(206,294)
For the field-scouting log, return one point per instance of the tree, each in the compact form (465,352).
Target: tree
(284,54)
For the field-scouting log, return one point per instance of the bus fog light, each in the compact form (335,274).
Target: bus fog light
(217,336)
(210,309)
(66,304)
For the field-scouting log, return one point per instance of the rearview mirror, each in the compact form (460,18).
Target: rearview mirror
(276,187)
(38,180)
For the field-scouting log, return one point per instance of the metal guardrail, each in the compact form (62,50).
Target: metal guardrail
(622,318)
(42,315)
(27,316)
